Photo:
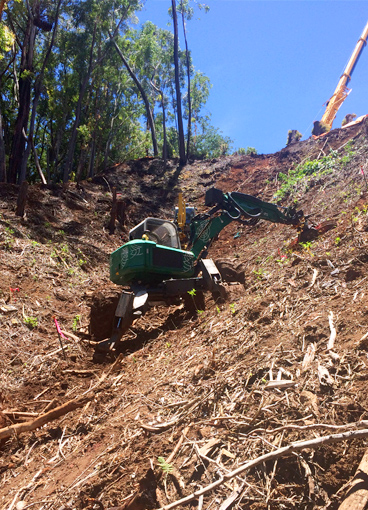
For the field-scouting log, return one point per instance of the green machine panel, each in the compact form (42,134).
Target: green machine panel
(147,262)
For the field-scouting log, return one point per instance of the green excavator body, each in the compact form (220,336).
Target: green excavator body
(144,261)
(158,271)
(154,253)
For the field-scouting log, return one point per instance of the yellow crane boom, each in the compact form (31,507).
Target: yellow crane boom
(341,91)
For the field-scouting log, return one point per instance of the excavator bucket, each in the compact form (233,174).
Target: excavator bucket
(310,233)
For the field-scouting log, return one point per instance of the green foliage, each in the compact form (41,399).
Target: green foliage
(259,273)
(293,136)
(82,261)
(165,466)
(209,142)
(88,96)
(8,238)
(302,173)
(306,245)
(76,321)
(251,151)
(6,40)
(31,322)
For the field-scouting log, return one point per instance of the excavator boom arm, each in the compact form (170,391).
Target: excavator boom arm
(234,206)
(341,91)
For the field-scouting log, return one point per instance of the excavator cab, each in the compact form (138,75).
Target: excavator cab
(160,231)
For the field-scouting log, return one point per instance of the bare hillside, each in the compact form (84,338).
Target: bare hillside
(191,400)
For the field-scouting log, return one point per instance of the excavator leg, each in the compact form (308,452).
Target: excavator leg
(122,321)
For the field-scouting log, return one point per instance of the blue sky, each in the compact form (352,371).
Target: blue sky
(273,64)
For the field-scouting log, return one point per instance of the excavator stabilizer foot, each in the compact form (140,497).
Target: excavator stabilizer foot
(123,319)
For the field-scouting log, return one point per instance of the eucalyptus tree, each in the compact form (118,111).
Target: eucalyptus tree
(27,21)
(100,21)
(199,94)
(6,58)
(38,84)
(151,51)
(142,92)
(182,152)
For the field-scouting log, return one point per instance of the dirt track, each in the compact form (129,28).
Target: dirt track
(193,390)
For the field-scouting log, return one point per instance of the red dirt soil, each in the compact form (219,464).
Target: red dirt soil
(190,399)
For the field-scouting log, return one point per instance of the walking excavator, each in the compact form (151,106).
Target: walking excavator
(165,262)
(341,91)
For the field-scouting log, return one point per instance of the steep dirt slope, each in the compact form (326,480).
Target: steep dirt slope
(192,398)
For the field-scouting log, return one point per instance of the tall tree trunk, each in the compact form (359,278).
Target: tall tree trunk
(26,68)
(189,133)
(164,147)
(2,153)
(92,158)
(37,93)
(182,154)
(73,138)
(143,94)
(81,164)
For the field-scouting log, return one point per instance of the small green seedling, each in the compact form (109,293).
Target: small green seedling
(165,466)
(76,321)
(31,322)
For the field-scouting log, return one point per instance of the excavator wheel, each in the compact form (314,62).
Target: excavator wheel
(230,272)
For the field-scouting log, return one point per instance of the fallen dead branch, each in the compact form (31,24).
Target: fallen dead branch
(331,341)
(357,496)
(276,454)
(309,357)
(363,342)
(314,277)
(41,420)
(282,385)
(312,426)
(188,408)
(19,415)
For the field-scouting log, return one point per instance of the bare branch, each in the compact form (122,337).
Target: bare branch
(276,454)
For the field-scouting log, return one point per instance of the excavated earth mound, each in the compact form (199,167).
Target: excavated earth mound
(193,398)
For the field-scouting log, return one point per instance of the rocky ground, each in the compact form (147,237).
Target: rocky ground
(192,399)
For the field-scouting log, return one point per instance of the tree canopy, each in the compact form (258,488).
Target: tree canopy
(83,88)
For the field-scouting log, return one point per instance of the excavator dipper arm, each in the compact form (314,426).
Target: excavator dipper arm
(234,206)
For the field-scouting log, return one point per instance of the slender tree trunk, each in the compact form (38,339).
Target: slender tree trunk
(164,148)
(2,153)
(19,139)
(182,154)
(73,138)
(144,97)
(189,134)
(37,93)
(81,164)
(56,146)
(92,158)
